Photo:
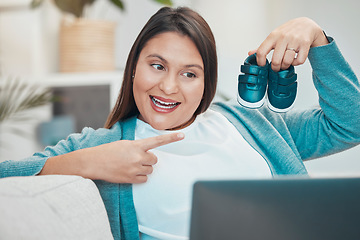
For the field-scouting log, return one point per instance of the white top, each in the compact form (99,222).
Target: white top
(212,150)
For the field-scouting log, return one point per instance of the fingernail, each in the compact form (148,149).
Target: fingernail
(180,135)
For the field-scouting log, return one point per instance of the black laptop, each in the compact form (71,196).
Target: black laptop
(281,209)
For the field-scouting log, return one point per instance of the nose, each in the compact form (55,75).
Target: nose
(169,84)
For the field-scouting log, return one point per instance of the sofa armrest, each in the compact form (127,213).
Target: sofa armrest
(52,207)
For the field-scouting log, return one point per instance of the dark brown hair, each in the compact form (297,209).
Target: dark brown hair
(182,20)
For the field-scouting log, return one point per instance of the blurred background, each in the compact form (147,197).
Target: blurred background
(32,51)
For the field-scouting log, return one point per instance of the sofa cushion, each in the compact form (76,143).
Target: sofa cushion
(52,207)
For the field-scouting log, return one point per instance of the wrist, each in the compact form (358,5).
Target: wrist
(320,40)
(87,163)
(66,164)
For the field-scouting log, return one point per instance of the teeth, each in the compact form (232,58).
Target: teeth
(162,104)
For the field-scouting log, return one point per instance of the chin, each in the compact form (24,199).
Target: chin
(163,125)
(160,127)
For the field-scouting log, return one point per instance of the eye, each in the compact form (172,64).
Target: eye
(158,67)
(189,75)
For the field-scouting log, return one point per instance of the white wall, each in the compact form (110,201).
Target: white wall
(238,26)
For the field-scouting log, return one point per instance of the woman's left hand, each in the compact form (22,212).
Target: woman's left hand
(291,43)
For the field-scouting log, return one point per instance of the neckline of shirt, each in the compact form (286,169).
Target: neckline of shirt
(144,126)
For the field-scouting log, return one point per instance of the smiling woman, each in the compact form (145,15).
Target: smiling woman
(146,165)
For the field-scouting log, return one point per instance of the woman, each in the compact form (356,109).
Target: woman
(141,162)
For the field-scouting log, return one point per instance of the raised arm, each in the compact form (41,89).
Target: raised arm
(335,126)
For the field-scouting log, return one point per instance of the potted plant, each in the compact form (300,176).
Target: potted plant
(86,44)
(16,98)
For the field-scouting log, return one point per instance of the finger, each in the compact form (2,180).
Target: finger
(278,55)
(263,50)
(150,159)
(139,179)
(288,59)
(157,141)
(251,52)
(145,170)
(301,56)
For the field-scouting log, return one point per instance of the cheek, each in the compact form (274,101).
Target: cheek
(142,83)
(139,91)
(195,92)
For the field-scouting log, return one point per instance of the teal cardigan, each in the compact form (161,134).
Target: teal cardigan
(284,140)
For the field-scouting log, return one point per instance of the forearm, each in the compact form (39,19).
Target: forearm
(34,165)
(27,167)
(87,163)
(72,163)
(320,40)
(338,88)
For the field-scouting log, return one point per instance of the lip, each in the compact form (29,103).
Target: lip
(163,105)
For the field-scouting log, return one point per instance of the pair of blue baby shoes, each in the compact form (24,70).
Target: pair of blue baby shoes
(281,87)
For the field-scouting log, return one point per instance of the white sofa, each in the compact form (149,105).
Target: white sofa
(52,207)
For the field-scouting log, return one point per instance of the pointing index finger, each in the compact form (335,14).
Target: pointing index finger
(157,141)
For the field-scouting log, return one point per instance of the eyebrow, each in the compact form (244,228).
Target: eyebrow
(165,61)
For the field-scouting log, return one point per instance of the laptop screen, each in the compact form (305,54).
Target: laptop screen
(281,209)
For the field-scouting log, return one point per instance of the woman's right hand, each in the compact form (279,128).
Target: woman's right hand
(122,161)
(127,161)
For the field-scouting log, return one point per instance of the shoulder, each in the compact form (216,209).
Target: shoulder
(120,130)
(233,109)
(90,137)
(251,119)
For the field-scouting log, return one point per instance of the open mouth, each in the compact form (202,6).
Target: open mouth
(162,104)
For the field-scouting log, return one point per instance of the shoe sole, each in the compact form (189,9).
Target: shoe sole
(279,110)
(250,104)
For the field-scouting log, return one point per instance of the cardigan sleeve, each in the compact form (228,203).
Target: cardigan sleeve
(335,126)
(34,164)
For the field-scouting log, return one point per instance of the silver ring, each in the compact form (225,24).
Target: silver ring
(292,49)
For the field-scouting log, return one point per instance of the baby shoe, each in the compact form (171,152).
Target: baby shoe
(252,84)
(282,88)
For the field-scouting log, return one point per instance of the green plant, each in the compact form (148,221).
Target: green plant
(76,7)
(16,96)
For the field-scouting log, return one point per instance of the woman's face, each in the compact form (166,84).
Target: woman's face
(168,81)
